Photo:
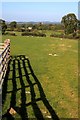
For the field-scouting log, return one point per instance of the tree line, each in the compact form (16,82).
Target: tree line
(21,27)
(69,23)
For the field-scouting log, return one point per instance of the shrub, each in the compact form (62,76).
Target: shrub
(72,36)
(33,34)
(8,29)
(69,36)
(56,35)
(77,36)
(10,33)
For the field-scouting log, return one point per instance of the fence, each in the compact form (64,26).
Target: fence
(4,59)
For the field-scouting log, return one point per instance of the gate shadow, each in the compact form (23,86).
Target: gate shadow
(21,65)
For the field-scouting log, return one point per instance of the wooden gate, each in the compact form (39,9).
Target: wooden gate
(4,59)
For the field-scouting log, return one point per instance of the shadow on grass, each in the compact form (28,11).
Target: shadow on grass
(22,65)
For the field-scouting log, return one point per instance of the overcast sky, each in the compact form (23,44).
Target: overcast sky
(37,11)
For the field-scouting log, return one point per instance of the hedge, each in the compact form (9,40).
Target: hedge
(70,36)
(33,34)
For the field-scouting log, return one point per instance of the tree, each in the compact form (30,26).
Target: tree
(13,25)
(3,26)
(23,27)
(69,22)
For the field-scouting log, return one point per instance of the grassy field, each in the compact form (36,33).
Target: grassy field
(55,64)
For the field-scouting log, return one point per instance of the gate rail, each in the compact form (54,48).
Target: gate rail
(4,59)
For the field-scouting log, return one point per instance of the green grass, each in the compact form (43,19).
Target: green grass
(58,75)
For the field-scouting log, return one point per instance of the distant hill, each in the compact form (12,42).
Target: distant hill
(44,22)
(32,22)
